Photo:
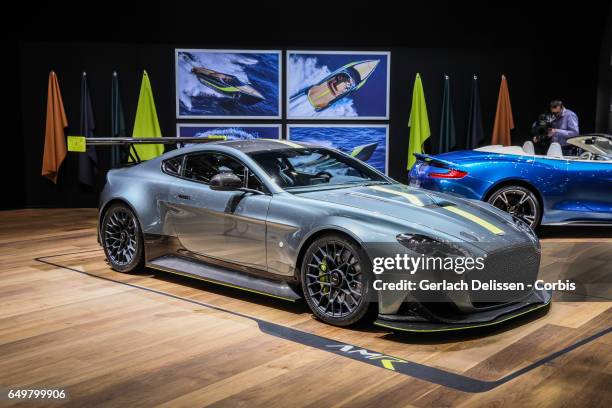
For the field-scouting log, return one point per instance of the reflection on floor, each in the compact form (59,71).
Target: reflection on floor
(109,343)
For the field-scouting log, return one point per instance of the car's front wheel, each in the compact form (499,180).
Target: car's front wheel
(336,280)
(122,239)
(518,201)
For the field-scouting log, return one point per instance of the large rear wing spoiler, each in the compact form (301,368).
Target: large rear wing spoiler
(80,144)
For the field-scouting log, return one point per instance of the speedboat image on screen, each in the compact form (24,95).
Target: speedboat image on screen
(339,84)
(228,85)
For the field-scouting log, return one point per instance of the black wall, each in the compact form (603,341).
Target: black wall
(540,65)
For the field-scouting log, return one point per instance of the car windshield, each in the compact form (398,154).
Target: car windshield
(306,167)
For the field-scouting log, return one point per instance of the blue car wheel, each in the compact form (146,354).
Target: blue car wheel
(518,201)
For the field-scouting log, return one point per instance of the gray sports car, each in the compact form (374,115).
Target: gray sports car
(293,220)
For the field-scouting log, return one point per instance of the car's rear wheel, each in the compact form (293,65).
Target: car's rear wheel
(122,239)
(336,280)
(518,201)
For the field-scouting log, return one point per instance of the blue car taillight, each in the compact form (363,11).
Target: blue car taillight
(450,174)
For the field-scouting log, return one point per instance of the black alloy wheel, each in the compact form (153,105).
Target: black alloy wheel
(122,239)
(518,201)
(336,280)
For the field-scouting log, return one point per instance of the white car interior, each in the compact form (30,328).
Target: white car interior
(528,147)
(555,151)
(594,148)
(517,150)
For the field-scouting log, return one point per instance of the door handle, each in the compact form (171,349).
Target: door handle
(184,197)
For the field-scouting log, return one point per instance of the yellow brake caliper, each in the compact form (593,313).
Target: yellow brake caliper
(323,277)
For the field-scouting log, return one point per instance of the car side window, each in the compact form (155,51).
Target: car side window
(253,182)
(202,167)
(173,166)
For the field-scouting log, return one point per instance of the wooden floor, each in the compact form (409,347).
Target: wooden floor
(116,345)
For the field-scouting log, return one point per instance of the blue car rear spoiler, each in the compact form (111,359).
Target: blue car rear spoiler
(435,161)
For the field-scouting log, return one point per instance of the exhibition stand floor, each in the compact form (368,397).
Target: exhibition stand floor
(71,322)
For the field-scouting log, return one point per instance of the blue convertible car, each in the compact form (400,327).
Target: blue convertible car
(549,189)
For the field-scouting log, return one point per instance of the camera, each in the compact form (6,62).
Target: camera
(540,127)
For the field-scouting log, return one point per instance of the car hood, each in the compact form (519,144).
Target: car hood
(450,215)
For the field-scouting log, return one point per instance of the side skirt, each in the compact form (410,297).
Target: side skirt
(226,277)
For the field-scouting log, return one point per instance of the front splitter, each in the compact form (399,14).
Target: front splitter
(427,327)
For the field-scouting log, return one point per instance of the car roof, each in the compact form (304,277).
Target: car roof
(249,146)
(257,145)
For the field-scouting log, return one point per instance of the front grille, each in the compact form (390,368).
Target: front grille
(515,265)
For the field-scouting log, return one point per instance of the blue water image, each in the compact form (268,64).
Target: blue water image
(231,132)
(258,70)
(306,69)
(346,139)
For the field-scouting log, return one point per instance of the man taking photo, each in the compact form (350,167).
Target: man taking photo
(563,127)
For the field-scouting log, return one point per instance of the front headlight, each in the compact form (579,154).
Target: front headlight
(429,246)
(527,230)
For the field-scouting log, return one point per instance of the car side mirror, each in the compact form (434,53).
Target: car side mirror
(225,182)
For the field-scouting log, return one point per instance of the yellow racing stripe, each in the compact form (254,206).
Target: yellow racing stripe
(474,218)
(413,199)
(410,197)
